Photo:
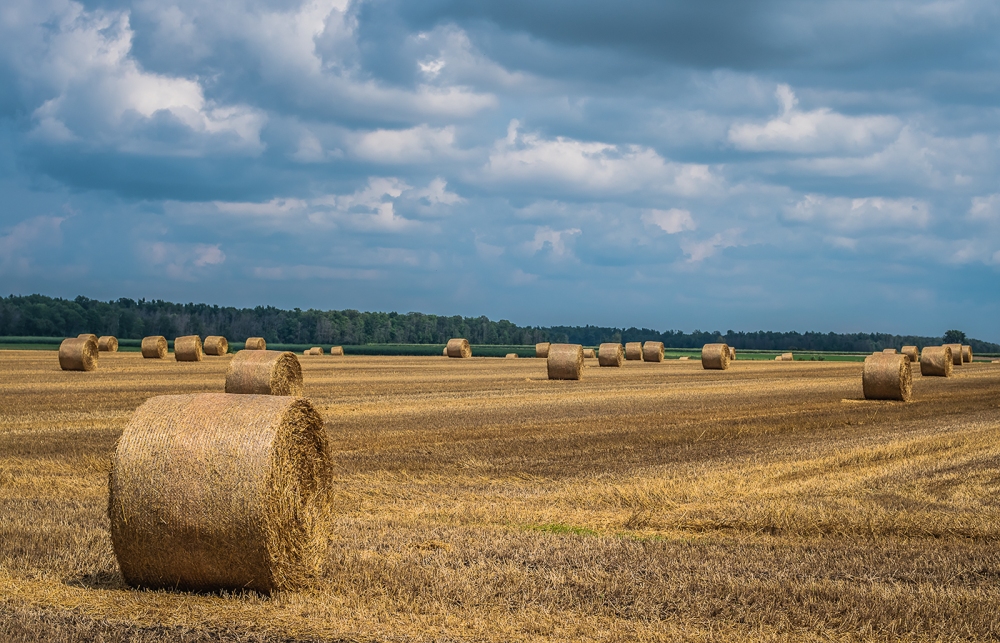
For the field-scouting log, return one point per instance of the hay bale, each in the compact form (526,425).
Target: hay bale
(715,357)
(78,354)
(255,344)
(307,351)
(588,353)
(154,347)
(787,357)
(510,356)
(459,348)
(936,361)
(777,358)
(684,358)
(911,352)
(542,349)
(264,373)
(316,350)
(565,362)
(88,336)
(336,350)
(966,354)
(213,491)
(956,353)
(652,352)
(188,348)
(887,376)
(107,344)
(732,353)
(633,351)
(445,351)
(216,345)
(611,354)
(889,351)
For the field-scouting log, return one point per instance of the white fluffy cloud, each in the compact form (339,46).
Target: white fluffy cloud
(670,221)
(182,261)
(860,214)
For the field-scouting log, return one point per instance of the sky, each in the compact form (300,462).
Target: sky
(725,164)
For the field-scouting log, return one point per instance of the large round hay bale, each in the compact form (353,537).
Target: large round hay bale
(88,336)
(264,373)
(542,349)
(936,361)
(611,354)
(966,354)
(107,344)
(887,377)
(565,362)
(255,344)
(216,345)
(188,348)
(78,354)
(633,351)
(588,353)
(652,352)
(732,353)
(956,353)
(912,353)
(154,347)
(213,491)
(459,348)
(337,350)
(510,356)
(889,351)
(715,356)
(316,350)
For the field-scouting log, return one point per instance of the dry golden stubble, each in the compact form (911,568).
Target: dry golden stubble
(611,354)
(216,345)
(107,344)
(255,344)
(458,348)
(188,349)
(936,361)
(213,491)
(565,362)
(912,353)
(154,347)
(264,373)
(542,349)
(966,354)
(887,376)
(633,351)
(78,354)
(336,350)
(652,352)
(956,353)
(715,356)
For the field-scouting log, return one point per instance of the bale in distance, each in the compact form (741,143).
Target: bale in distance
(684,358)
(633,351)
(542,349)
(652,352)
(88,336)
(715,357)
(732,353)
(956,353)
(307,352)
(588,353)
(78,354)
(213,491)
(216,345)
(316,350)
(966,354)
(565,362)
(154,347)
(778,358)
(787,357)
(188,349)
(887,376)
(336,350)
(264,373)
(889,351)
(510,356)
(936,361)
(912,353)
(107,344)
(445,351)
(255,344)
(611,354)
(459,348)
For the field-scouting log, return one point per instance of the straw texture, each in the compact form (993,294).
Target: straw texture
(633,351)
(445,351)
(611,354)
(255,344)
(936,361)
(887,376)
(216,345)
(214,491)
(588,353)
(966,354)
(459,348)
(652,352)
(107,344)
(565,362)
(787,357)
(732,353)
(956,353)
(264,373)
(154,347)
(510,356)
(337,350)
(889,351)
(88,336)
(188,348)
(78,354)
(316,350)
(715,357)
(542,349)
(911,352)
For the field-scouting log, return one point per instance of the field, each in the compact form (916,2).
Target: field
(476,500)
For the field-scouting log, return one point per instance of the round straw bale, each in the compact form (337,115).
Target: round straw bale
(565,362)
(459,348)
(510,356)
(777,358)
(445,351)
(936,361)
(154,347)
(542,349)
(911,352)
(88,336)
(188,348)
(107,344)
(633,351)
(956,353)
(887,377)
(787,357)
(889,351)
(316,350)
(78,354)
(216,345)
(307,351)
(732,353)
(611,354)
(715,356)
(336,350)
(255,344)
(966,354)
(264,373)
(652,352)
(213,491)
(588,353)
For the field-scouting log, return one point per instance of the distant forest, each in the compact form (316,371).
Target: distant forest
(41,316)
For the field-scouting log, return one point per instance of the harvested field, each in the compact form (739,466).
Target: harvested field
(478,500)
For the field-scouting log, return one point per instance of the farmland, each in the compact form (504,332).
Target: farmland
(476,500)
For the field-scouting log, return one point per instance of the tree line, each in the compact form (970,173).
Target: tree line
(42,316)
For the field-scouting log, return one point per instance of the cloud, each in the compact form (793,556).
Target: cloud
(670,221)
(698,251)
(182,261)
(553,240)
(18,246)
(302,272)
(860,214)
(985,208)
(417,144)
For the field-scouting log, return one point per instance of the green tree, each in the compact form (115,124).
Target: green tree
(954,337)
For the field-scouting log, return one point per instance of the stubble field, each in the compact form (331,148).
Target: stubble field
(476,500)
